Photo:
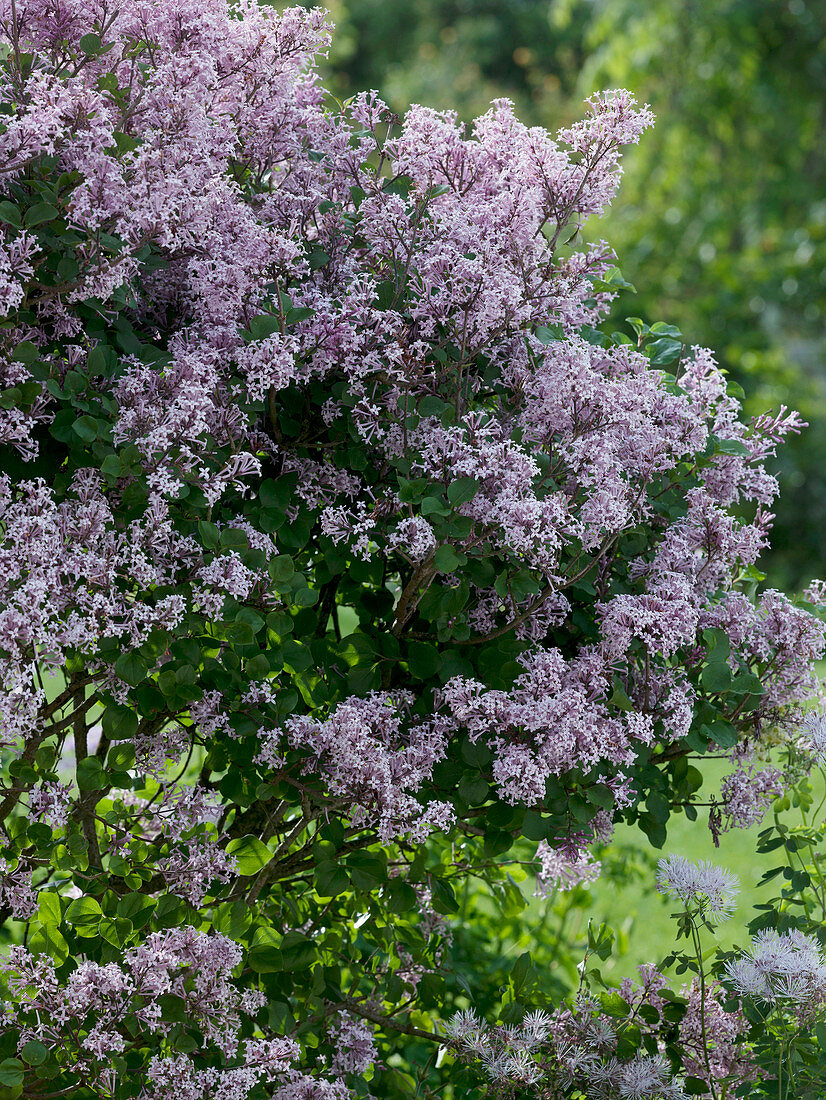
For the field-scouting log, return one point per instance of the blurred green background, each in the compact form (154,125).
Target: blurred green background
(721,220)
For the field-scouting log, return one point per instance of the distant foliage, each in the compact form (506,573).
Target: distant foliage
(347,569)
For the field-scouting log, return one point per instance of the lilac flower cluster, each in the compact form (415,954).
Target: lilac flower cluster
(553,719)
(711,1039)
(748,793)
(84,1018)
(559,872)
(374,758)
(297,364)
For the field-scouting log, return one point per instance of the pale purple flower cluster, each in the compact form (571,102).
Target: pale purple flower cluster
(17,892)
(355,1050)
(373,755)
(711,1038)
(702,886)
(85,1014)
(783,968)
(50,802)
(748,793)
(554,718)
(560,872)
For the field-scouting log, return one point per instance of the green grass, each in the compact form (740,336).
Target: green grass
(642,916)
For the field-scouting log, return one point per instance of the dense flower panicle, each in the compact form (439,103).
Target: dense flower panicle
(553,719)
(748,793)
(182,964)
(560,873)
(784,968)
(711,889)
(355,1050)
(712,1038)
(373,755)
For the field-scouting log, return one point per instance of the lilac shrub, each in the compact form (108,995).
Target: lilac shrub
(345,562)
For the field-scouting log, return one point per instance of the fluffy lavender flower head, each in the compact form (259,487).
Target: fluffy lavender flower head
(814,735)
(781,966)
(712,889)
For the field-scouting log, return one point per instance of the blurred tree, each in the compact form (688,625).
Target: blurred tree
(723,211)
(461,54)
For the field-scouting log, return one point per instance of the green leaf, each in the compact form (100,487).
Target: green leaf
(331,879)
(121,758)
(209,534)
(433,506)
(11,1072)
(132,668)
(119,722)
(695,1086)
(305,597)
(90,775)
(444,900)
(39,213)
(173,1009)
(664,351)
(733,447)
(281,568)
(49,909)
(136,908)
(716,677)
(432,406)
(266,324)
(423,659)
(462,490)
(90,43)
(251,853)
(747,684)
(473,789)
(84,915)
(10,214)
(34,1053)
(614,1005)
(265,954)
(25,352)
(401,897)
(660,328)
(520,970)
(658,807)
(619,698)
(548,334)
(298,951)
(367,870)
(722,733)
(86,427)
(446,559)
(601,795)
(48,940)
